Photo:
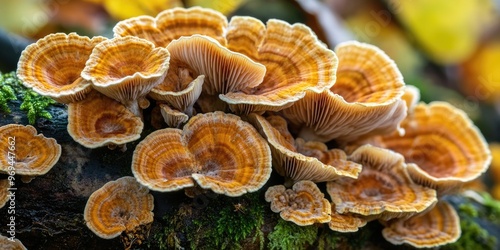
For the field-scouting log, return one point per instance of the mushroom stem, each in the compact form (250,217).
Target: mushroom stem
(134,107)
(288,182)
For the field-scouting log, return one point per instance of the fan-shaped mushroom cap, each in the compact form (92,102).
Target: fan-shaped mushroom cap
(173,118)
(182,95)
(173,23)
(4,192)
(365,100)
(7,244)
(383,188)
(126,69)
(411,96)
(118,206)
(219,151)
(303,205)
(439,226)
(345,223)
(295,59)
(225,71)
(289,162)
(31,154)
(52,66)
(93,126)
(441,145)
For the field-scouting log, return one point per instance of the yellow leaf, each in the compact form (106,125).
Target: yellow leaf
(120,10)
(226,7)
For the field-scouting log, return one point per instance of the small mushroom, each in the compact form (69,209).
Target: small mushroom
(28,153)
(173,118)
(173,23)
(345,223)
(383,188)
(119,206)
(296,61)
(126,69)
(303,205)
(218,151)
(93,126)
(8,244)
(439,226)
(442,147)
(289,162)
(52,66)
(411,96)
(365,100)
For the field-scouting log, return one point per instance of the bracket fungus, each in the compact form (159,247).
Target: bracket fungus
(383,189)
(303,205)
(126,69)
(118,206)
(4,192)
(441,145)
(172,117)
(439,226)
(93,126)
(52,66)
(345,223)
(295,59)
(173,23)
(366,99)
(294,165)
(29,154)
(217,151)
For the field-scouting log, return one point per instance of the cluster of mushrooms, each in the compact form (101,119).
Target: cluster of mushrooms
(231,101)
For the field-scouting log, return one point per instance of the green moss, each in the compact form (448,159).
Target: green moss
(34,104)
(288,235)
(473,237)
(224,223)
(491,208)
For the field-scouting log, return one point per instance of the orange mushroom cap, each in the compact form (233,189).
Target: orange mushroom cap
(304,204)
(296,61)
(93,126)
(126,69)
(365,100)
(52,66)
(31,154)
(345,223)
(441,145)
(289,162)
(173,118)
(225,71)
(7,244)
(217,151)
(439,226)
(173,23)
(118,206)
(383,188)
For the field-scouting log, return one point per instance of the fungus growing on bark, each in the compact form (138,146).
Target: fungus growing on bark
(303,205)
(52,66)
(217,151)
(119,206)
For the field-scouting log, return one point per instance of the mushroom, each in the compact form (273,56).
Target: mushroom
(28,154)
(93,126)
(4,192)
(296,61)
(411,96)
(345,223)
(118,206)
(173,118)
(303,205)
(173,23)
(9,244)
(126,69)
(289,162)
(439,226)
(383,188)
(365,100)
(217,151)
(52,66)
(442,147)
